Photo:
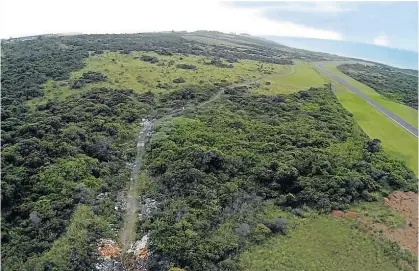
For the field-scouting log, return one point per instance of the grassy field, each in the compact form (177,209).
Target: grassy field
(212,41)
(297,77)
(127,71)
(395,140)
(319,243)
(407,113)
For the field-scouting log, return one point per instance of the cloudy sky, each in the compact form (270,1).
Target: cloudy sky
(393,24)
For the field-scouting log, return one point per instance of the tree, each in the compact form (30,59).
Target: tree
(374,145)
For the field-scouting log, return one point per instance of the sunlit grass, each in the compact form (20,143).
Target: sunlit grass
(300,76)
(212,41)
(128,71)
(319,243)
(405,112)
(395,140)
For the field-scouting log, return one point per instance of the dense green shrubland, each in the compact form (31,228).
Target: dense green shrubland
(64,155)
(216,168)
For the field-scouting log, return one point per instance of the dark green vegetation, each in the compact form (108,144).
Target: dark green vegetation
(217,168)
(387,81)
(57,158)
(63,154)
(225,175)
(88,77)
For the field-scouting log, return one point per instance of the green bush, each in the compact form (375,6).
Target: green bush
(215,168)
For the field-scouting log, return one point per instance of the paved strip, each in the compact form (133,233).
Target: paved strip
(380,108)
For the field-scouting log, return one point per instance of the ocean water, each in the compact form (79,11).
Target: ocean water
(389,56)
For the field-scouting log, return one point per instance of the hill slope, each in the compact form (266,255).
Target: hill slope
(223,160)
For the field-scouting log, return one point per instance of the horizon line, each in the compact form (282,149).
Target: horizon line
(75,33)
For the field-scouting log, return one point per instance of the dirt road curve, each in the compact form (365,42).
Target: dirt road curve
(380,108)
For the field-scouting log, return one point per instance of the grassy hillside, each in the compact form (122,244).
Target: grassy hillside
(74,143)
(300,76)
(212,41)
(236,168)
(128,71)
(320,243)
(216,169)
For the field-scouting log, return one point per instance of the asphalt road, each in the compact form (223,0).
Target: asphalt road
(380,108)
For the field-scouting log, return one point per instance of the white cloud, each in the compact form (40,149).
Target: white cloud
(382,40)
(303,7)
(318,7)
(27,17)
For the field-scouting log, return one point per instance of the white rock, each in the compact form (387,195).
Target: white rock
(138,245)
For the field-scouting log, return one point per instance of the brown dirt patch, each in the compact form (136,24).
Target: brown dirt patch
(351,215)
(406,204)
(337,213)
(109,249)
(142,253)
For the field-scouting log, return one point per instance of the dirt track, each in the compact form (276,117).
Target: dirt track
(128,230)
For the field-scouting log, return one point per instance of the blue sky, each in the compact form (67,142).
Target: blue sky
(392,24)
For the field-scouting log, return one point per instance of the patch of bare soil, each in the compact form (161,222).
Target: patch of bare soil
(406,204)
(109,249)
(338,213)
(109,253)
(351,215)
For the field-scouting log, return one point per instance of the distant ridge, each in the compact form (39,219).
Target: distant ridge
(23,38)
(391,56)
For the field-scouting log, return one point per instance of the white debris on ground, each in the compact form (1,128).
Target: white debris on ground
(121,201)
(109,251)
(130,165)
(139,254)
(145,122)
(109,254)
(109,265)
(101,196)
(148,208)
(139,248)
